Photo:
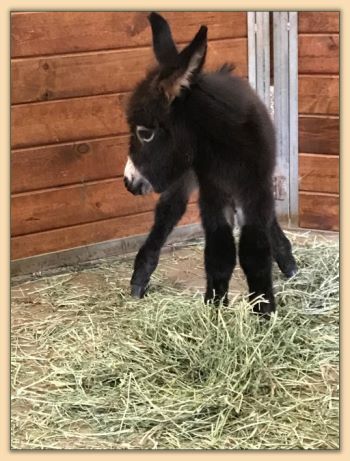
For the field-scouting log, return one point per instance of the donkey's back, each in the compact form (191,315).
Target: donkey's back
(234,131)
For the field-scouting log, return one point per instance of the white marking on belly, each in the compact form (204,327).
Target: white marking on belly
(239,217)
(229,215)
(234,216)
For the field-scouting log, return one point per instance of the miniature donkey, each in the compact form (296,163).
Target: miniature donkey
(193,129)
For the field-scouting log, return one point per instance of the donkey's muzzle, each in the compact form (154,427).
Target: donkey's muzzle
(134,181)
(137,187)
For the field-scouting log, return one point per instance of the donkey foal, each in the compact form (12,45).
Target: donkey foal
(191,129)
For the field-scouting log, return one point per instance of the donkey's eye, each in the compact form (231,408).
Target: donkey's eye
(145,134)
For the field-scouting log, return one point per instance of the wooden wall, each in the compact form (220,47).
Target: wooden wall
(319,120)
(71,73)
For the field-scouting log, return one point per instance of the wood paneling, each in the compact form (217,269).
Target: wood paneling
(319,173)
(319,94)
(34,34)
(318,54)
(67,206)
(230,50)
(71,77)
(68,120)
(319,211)
(85,234)
(55,77)
(71,205)
(63,164)
(318,21)
(318,66)
(318,135)
(40,79)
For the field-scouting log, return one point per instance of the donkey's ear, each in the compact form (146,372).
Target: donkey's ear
(163,43)
(190,61)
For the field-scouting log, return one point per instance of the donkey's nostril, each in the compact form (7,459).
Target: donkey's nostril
(134,187)
(128,184)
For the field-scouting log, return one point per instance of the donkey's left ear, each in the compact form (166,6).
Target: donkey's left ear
(190,62)
(163,44)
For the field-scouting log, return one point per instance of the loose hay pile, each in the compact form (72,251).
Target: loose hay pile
(93,368)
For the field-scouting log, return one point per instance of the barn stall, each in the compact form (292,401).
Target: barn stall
(165,372)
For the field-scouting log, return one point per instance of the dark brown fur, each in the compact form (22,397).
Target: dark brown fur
(210,129)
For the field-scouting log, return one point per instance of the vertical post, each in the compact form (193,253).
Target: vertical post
(259,54)
(251,19)
(293,120)
(286,115)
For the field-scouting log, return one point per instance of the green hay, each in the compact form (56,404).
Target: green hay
(93,368)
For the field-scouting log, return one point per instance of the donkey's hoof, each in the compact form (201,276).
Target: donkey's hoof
(288,267)
(138,291)
(215,300)
(291,271)
(264,309)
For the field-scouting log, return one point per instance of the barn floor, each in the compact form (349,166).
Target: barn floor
(93,368)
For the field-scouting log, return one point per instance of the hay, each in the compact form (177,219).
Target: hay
(93,368)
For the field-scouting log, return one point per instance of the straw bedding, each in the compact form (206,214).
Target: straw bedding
(94,368)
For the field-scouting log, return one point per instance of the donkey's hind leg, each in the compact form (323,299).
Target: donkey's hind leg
(219,253)
(282,250)
(255,256)
(169,210)
(255,251)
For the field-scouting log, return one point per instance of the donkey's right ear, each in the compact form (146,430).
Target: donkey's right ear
(163,43)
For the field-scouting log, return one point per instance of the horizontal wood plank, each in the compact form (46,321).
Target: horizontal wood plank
(68,163)
(319,211)
(54,208)
(318,94)
(56,77)
(318,135)
(39,79)
(68,120)
(318,54)
(319,173)
(67,206)
(45,33)
(318,21)
(85,234)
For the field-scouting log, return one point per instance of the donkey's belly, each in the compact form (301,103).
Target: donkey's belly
(234,216)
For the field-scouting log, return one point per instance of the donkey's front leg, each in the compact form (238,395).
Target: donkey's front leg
(219,253)
(169,210)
